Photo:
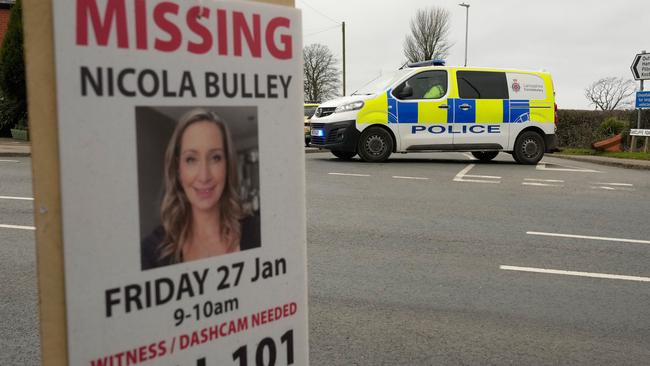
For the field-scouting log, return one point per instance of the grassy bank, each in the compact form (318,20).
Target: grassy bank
(620,155)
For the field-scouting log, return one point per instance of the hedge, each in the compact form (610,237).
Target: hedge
(579,128)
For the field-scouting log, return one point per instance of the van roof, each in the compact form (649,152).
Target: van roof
(481,68)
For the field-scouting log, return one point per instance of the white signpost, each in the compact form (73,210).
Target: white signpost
(641,71)
(640,132)
(641,66)
(182,195)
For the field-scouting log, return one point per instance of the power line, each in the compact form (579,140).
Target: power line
(319,12)
(321,31)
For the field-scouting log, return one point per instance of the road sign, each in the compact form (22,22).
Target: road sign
(641,66)
(642,99)
(248,288)
(639,132)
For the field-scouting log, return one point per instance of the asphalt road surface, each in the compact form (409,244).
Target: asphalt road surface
(405,262)
(435,259)
(19,342)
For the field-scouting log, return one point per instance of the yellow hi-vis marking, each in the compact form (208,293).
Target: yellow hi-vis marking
(489,110)
(374,110)
(429,112)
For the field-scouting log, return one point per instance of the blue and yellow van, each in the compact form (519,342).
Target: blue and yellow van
(428,107)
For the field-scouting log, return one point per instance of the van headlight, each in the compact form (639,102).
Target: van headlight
(349,107)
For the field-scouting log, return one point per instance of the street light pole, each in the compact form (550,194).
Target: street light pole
(466,27)
(343,31)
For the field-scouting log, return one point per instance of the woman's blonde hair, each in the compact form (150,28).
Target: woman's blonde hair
(176,210)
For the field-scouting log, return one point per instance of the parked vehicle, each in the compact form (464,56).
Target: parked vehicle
(428,107)
(310,109)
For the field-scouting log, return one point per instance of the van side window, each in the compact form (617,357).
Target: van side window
(425,85)
(482,85)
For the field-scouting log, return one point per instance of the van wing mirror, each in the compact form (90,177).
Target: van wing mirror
(406,92)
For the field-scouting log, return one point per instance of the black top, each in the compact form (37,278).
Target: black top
(149,258)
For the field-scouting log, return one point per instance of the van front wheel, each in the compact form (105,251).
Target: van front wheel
(375,144)
(485,155)
(344,155)
(529,148)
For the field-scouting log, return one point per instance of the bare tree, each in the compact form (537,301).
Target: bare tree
(428,38)
(610,93)
(321,77)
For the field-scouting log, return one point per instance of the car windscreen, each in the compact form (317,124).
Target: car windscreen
(381,83)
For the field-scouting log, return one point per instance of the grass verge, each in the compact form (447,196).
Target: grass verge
(620,155)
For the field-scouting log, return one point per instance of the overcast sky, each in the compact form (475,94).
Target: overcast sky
(578,41)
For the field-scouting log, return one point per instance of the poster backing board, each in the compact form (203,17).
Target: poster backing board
(40,71)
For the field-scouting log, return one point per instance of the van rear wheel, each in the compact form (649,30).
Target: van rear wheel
(529,148)
(375,144)
(344,155)
(485,155)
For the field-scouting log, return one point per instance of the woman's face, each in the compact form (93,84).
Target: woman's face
(202,165)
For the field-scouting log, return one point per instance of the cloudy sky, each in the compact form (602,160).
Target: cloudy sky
(578,41)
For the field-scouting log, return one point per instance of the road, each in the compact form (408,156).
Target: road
(405,262)
(435,259)
(19,342)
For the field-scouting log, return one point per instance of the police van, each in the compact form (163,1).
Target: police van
(428,107)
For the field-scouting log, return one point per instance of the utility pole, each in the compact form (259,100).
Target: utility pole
(343,31)
(466,6)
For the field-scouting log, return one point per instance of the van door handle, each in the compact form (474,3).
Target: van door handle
(443,106)
(465,107)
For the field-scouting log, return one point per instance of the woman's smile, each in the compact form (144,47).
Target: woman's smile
(204,193)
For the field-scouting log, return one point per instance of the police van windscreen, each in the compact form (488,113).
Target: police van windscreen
(382,82)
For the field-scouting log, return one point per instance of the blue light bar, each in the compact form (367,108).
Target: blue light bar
(427,63)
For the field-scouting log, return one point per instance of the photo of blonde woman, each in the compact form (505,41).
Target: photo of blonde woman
(201,212)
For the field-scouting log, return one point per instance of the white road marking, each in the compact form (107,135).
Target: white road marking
(16,198)
(605,188)
(637,241)
(544,180)
(464,171)
(483,176)
(350,174)
(477,181)
(613,188)
(615,184)
(19,227)
(462,175)
(9,161)
(416,178)
(469,156)
(538,184)
(575,273)
(566,169)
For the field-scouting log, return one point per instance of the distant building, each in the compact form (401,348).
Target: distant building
(5,10)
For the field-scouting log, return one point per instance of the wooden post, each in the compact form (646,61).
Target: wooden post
(41,96)
(41,93)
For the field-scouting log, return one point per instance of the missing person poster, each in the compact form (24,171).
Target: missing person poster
(182,175)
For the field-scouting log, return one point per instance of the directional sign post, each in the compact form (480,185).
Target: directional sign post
(642,133)
(641,66)
(641,71)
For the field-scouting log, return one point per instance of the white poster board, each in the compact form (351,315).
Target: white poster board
(639,132)
(182,182)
